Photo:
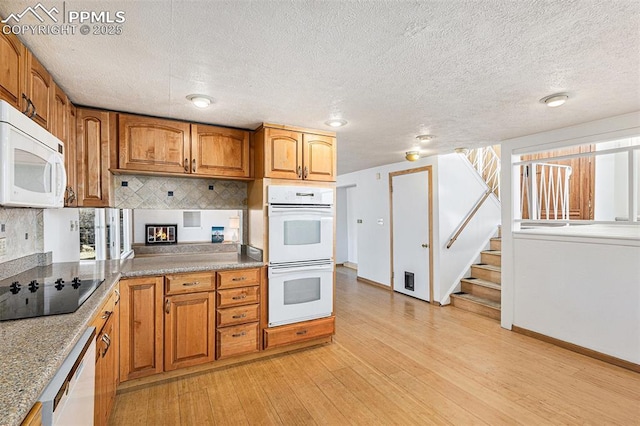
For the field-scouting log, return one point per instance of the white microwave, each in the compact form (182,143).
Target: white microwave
(32,172)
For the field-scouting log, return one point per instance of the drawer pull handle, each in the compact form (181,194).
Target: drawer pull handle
(191,284)
(167,304)
(117,293)
(239,316)
(301,333)
(243,296)
(193,168)
(238,279)
(186,165)
(244,333)
(106,314)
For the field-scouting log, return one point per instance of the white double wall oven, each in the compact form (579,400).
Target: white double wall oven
(300,253)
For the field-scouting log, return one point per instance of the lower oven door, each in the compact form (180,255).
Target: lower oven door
(300,293)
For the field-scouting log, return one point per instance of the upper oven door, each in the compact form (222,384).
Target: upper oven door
(300,233)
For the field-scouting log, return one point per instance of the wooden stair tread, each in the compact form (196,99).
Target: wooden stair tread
(484,283)
(478,300)
(496,252)
(487,267)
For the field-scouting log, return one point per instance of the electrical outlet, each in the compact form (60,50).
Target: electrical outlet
(3,247)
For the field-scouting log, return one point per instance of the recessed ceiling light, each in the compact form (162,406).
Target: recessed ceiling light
(412,155)
(201,101)
(555,100)
(335,122)
(461,150)
(424,138)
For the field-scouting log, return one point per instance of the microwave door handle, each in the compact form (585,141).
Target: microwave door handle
(61,179)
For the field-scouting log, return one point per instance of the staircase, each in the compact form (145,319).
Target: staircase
(480,293)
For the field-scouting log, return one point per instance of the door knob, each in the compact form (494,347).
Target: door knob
(425,246)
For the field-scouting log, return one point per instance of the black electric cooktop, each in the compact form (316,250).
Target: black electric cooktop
(38,296)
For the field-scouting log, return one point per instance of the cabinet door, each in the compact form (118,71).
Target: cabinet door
(39,88)
(141,327)
(217,151)
(283,154)
(106,365)
(189,330)
(70,149)
(12,70)
(153,144)
(319,154)
(93,156)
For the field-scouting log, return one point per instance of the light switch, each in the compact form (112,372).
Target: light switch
(3,247)
(359,221)
(381,221)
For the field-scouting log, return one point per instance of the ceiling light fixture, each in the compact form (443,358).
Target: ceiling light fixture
(424,138)
(412,155)
(335,122)
(201,101)
(461,150)
(555,100)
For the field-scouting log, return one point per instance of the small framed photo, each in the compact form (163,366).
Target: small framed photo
(217,234)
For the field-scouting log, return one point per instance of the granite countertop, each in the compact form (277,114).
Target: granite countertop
(31,350)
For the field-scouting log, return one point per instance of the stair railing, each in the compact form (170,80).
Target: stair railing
(487,163)
(548,196)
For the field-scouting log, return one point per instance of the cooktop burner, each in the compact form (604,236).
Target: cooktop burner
(44,296)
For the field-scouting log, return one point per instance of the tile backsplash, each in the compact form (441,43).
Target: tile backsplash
(23,232)
(153,192)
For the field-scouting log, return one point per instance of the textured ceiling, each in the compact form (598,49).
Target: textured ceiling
(469,72)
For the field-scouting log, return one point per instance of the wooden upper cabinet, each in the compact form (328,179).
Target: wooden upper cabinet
(39,90)
(218,151)
(283,152)
(60,115)
(153,144)
(94,134)
(12,70)
(319,158)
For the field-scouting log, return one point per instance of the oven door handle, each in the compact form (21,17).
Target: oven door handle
(281,270)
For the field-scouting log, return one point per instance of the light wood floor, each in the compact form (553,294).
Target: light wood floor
(399,361)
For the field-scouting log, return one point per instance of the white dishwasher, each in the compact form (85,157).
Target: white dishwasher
(69,398)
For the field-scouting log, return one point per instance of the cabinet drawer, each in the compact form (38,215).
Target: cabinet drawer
(240,278)
(237,296)
(293,333)
(189,283)
(236,340)
(238,315)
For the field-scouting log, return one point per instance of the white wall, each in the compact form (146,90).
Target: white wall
(209,218)
(585,294)
(352,226)
(342,238)
(523,284)
(456,188)
(62,234)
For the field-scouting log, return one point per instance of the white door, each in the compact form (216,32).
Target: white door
(410,232)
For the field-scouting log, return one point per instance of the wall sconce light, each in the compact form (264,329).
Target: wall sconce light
(234,225)
(412,155)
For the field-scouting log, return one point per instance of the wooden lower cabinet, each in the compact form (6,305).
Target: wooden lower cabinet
(237,340)
(34,418)
(299,332)
(106,371)
(141,327)
(189,330)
